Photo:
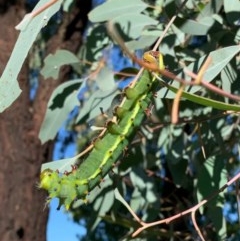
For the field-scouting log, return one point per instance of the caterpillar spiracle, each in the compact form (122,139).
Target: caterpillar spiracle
(107,148)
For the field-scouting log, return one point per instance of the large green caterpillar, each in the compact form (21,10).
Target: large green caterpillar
(107,148)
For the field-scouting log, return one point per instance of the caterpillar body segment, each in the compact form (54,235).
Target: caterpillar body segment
(106,149)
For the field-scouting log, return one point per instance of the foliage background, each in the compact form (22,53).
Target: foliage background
(168,168)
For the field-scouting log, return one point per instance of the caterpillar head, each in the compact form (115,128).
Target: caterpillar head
(48,179)
(154,57)
(61,186)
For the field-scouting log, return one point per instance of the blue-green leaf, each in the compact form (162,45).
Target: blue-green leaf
(53,62)
(133,23)
(111,9)
(60,165)
(62,101)
(29,32)
(194,27)
(220,58)
(232,9)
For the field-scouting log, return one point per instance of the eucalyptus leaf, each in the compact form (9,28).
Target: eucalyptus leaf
(141,43)
(216,215)
(55,118)
(98,99)
(194,27)
(24,42)
(62,101)
(102,206)
(60,165)
(232,9)
(53,62)
(111,9)
(132,24)
(105,79)
(219,59)
(209,173)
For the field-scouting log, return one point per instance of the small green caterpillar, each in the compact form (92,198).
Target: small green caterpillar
(107,148)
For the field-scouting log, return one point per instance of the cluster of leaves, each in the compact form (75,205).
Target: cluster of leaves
(168,168)
(172,167)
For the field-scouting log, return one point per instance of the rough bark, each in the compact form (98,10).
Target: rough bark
(22,215)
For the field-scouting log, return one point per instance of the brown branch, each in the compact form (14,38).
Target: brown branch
(191,210)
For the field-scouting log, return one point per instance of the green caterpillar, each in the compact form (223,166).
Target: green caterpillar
(108,148)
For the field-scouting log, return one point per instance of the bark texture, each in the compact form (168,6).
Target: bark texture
(22,215)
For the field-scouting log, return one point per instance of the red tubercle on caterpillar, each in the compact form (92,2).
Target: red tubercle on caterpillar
(66,173)
(74,168)
(148,111)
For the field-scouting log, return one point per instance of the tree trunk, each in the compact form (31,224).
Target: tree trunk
(22,215)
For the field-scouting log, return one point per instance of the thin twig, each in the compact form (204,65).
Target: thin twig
(43,8)
(168,26)
(211,87)
(201,141)
(176,103)
(190,210)
(202,70)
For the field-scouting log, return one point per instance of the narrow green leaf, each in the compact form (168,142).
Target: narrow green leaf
(205,101)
